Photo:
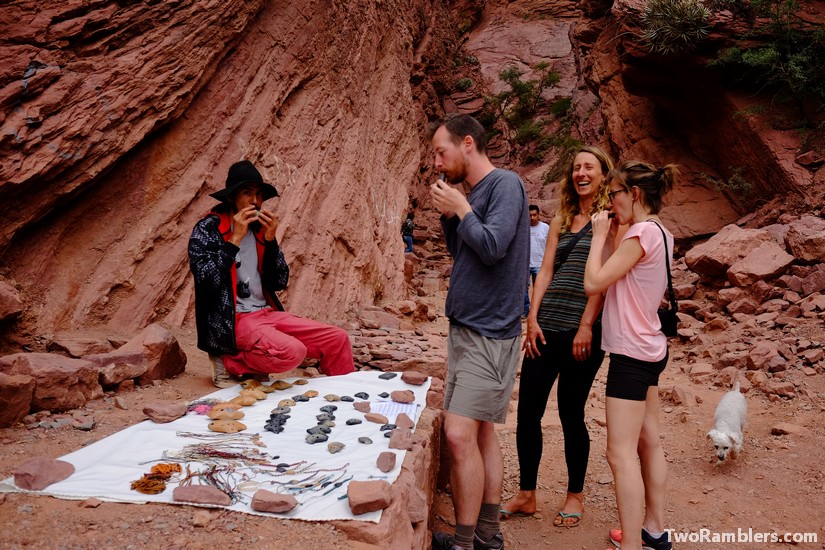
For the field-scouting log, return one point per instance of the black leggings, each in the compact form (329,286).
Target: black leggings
(575,381)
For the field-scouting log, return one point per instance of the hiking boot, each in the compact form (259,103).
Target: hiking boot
(220,378)
(444,541)
(495,543)
(648,542)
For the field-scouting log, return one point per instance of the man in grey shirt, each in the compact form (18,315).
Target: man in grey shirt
(488,235)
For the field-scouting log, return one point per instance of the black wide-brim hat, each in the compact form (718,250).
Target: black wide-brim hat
(240,174)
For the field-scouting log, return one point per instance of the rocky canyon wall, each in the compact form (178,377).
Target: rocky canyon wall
(120,117)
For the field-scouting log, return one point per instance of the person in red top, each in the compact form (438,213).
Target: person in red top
(238,267)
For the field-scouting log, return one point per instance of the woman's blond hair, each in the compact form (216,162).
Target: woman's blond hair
(569,199)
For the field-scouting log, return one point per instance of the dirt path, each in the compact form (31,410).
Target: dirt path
(776,486)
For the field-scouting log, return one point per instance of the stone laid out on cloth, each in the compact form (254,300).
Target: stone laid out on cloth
(386,461)
(401,438)
(368,496)
(201,494)
(267,501)
(403,396)
(39,472)
(414,378)
(164,412)
(225,411)
(402,420)
(362,406)
(226,426)
(377,418)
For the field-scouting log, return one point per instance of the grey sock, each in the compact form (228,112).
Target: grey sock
(488,523)
(464,535)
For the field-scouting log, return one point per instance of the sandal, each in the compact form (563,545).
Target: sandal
(507,514)
(567,520)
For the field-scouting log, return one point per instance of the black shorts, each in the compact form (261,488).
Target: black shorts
(629,378)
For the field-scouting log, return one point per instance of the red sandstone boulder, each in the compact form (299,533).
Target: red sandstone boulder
(11,305)
(118,365)
(61,383)
(78,344)
(721,251)
(368,496)
(766,261)
(16,392)
(806,239)
(164,358)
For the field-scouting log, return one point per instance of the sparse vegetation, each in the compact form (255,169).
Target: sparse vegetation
(789,61)
(673,27)
(736,187)
(464,84)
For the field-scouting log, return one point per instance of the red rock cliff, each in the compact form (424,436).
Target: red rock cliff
(120,117)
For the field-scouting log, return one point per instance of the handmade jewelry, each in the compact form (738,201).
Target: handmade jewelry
(155,481)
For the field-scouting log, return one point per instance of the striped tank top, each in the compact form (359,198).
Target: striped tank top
(563,303)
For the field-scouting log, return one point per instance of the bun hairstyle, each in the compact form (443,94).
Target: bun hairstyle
(653,182)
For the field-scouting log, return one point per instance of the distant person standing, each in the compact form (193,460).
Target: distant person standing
(488,236)
(538,240)
(407,228)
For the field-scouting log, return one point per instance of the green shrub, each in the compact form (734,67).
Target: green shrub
(464,84)
(561,107)
(671,27)
(788,60)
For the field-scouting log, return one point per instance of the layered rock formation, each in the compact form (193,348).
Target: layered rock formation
(120,118)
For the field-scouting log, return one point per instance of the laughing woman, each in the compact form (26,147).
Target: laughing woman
(563,335)
(634,279)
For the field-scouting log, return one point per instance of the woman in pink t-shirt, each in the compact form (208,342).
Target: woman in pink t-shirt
(633,279)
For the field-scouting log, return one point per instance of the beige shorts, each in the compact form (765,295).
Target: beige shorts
(481,372)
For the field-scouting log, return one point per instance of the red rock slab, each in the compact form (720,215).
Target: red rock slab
(404,421)
(386,461)
(414,378)
(377,418)
(201,494)
(403,396)
(368,496)
(402,439)
(164,412)
(362,406)
(267,501)
(39,472)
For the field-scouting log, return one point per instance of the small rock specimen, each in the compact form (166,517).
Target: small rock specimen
(403,396)
(368,496)
(201,494)
(414,378)
(362,406)
(388,375)
(226,426)
(334,447)
(267,501)
(386,461)
(377,418)
(365,440)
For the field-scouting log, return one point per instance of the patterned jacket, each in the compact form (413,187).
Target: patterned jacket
(212,262)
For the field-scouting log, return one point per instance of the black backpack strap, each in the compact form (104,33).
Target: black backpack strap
(561,258)
(670,294)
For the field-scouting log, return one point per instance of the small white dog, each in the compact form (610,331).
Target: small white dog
(727,434)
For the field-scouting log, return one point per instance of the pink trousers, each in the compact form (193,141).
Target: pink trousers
(276,341)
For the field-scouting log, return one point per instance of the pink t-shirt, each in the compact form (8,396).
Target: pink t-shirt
(631,326)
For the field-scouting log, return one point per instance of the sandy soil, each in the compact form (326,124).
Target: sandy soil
(775,487)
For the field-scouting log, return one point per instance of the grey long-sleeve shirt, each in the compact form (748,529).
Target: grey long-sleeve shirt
(491,252)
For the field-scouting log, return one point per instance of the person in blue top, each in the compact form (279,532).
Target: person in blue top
(488,235)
